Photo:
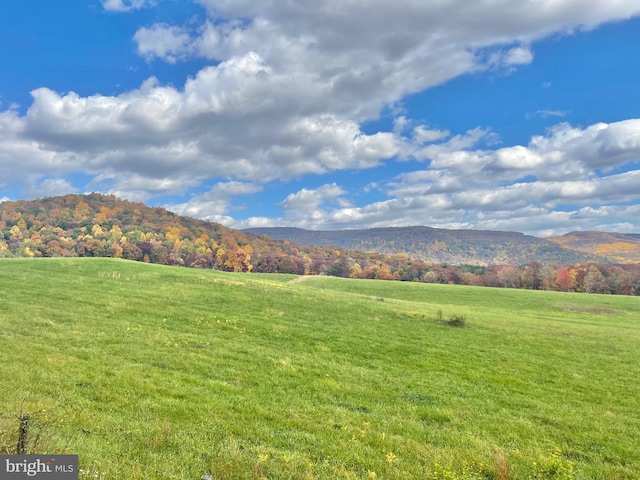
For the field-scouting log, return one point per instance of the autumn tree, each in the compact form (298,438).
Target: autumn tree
(595,282)
(531,276)
(565,280)
(509,276)
(548,275)
(355,271)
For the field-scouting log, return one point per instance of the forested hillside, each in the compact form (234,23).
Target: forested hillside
(474,247)
(619,247)
(103,226)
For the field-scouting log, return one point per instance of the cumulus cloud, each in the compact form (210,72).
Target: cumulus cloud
(529,207)
(51,187)
(359,57)
(139,188)
(600,145)
(565,152)
(306,207)
(222,123)
(214,204)
(511,188)
(163,41)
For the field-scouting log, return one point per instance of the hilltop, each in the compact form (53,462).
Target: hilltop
(98,225)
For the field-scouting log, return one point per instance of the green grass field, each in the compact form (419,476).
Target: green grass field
(153,372)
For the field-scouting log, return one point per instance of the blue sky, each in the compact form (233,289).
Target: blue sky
(334,114)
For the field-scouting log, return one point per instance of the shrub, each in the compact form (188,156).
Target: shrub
(457,320)
(454,320)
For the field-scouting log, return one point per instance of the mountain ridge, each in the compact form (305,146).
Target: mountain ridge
(469,246)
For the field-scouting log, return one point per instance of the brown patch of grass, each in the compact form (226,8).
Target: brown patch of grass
(501,467)
(588,309)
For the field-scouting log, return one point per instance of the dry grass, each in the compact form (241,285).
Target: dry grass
(597,310)
(501,467)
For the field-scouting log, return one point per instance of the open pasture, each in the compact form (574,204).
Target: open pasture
(153,372)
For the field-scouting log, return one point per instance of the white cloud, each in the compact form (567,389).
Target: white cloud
(357,58)
(213,205)
(126,5)
(552,113)
(598,146)
(162,41)
(141,188)
(530,208)
(506,58)
(306,207)
(565,152)
(422,135)
(481,188)
(518,56)
(518,158)
(222,124)
(52,187)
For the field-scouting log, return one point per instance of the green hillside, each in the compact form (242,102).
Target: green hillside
(156,372)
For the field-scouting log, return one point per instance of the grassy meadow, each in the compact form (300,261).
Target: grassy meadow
(154,372)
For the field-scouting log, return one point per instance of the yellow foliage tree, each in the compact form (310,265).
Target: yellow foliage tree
(355,271)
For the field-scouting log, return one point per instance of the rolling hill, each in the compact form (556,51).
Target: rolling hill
(475,247)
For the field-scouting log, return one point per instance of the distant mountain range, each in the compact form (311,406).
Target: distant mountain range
(100,225)
(477,247)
